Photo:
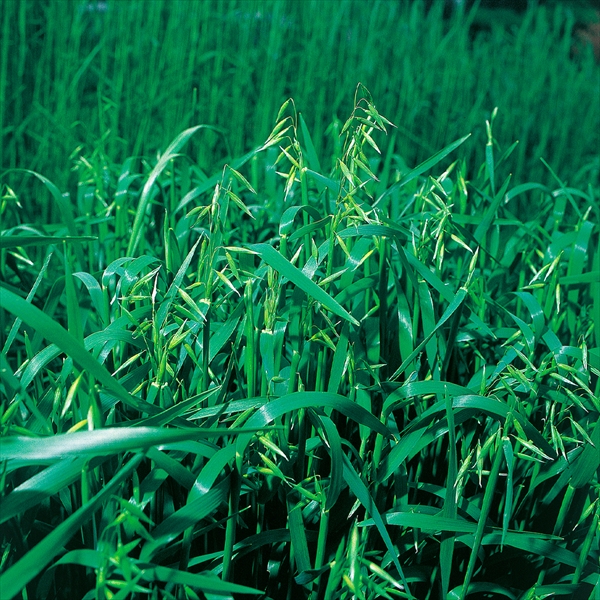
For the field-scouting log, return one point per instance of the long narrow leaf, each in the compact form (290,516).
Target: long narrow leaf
(288,270)
(362,493)
(55,333)
(424,166)
(140,214)
(16,577)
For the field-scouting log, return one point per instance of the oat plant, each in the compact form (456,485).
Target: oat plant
(301,377)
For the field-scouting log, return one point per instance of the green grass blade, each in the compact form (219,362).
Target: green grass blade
(65,210)
(22,241)
(298,400)
(285,268)
(458,299)
(206,583)
(53,332)
(508,499)
(424,166)
(362,494)
(41,486)
(488,497)
(311,154)
(334,447)
(165,306)
(110,440)
(16,577)
(185,517)
(140,213)
(450,510)
(298,538)
(587,463)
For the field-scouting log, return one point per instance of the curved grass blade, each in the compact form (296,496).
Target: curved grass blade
(537,314)
(184,518)
(334,447)
(16,577)
(211,470)
(209,584)
(392,230)
(41,486)
(587,463)
(311,154)
(482,587)
(490,214)
(454,305)
(286,223)
(421,388)
(140,213)
(55,333)
(297,400)
(163,310)
(17,322)
(495,408)
(210,183)
(99,442)
(442,288)
(65,209)
(577,263)
(536,543)
(508,499)
(324,182)
(400,453)
(424,166)
(298,541)
(96,294)
(295,275)
(338,364)
(22,241)
(426,522)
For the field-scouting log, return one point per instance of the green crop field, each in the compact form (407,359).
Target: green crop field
(298,300)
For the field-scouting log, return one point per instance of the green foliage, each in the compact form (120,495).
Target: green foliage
(117,79)
(284,381)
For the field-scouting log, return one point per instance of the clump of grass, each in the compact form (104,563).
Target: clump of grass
(122,79)
(286,381)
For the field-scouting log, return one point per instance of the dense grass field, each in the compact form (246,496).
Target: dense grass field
(342,346)
(120,79)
